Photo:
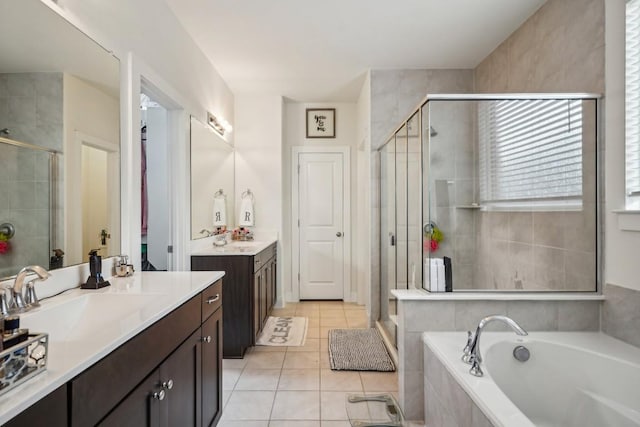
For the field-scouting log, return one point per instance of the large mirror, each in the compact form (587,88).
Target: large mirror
(59,141)
(212,181)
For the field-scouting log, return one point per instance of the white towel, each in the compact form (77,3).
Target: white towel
(246,212)
(219,211)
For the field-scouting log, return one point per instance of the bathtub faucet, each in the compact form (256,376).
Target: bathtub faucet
(472,350)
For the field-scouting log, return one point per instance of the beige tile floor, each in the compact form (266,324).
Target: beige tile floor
(294,386)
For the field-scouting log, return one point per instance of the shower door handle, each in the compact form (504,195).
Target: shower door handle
(392,239)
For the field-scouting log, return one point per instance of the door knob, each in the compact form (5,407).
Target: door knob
(339,234)
(167,385)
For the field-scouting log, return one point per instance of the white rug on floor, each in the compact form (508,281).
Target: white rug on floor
(284,331)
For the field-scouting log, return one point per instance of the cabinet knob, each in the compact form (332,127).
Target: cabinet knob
(211,300)
(206,339)
(159,395)
(339,234)
(167,385)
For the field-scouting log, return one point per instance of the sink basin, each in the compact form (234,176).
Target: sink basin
(89,317)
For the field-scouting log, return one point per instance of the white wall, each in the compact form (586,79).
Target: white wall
(258,145)
(151,43)
(621,247)
(295,135)
(94,113)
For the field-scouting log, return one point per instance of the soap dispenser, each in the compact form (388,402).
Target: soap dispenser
(95,280)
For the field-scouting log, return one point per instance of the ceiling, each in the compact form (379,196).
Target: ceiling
(320,51)
(33,38)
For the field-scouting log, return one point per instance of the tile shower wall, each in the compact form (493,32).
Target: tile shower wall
(31,108)
(559,49)
(394,95)
(451,177)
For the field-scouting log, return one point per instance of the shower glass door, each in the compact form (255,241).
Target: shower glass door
(414,202)
(402,216)
(387,235)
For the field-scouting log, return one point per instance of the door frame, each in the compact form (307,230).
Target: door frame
(346,212)
(175,115)
(73,202)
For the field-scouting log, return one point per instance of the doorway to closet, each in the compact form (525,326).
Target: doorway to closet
(156,194)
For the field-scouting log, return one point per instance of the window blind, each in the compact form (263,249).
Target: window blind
(530,150)
(632,98)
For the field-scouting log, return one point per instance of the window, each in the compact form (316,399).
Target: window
(632,104)
(530,152)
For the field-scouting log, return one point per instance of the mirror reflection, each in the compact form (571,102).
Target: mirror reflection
(60,141)
(212,181)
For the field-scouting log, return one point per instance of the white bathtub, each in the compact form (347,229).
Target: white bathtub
(573,379)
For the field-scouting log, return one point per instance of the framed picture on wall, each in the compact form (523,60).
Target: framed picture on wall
(321,122)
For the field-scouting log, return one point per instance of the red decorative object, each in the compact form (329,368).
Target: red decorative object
(4,247)
(433,245)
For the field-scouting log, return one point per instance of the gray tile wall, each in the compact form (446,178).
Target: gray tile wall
(394,95)
(559,49)
(621,313)
(446,403)
(416,317)
(31,107)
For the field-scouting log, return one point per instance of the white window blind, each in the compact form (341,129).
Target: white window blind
(530,150)
(632,98)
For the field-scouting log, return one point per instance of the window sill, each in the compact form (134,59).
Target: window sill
(628,219)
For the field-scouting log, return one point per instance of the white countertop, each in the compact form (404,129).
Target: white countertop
(422,295)
(146,297)
(236,247)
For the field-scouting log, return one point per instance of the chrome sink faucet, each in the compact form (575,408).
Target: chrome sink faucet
(472,354)
(20,302)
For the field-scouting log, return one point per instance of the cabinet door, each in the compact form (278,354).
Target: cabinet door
(140,408)
(180,376)
(50,411)
(274,278)
(212,369)
(263,295)
(257,319)
(269,286)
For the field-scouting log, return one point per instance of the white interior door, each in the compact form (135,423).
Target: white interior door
(321,214)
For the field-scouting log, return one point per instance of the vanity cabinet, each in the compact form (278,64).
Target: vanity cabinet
(250,293)
(168,375)
(50,411)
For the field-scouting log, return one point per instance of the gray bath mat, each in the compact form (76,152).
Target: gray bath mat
(358,350)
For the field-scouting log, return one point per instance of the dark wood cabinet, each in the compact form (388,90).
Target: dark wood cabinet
(141,407)
(212,369)
(180,378)
(250,293)
(186,388)
(50,411)
(168,375)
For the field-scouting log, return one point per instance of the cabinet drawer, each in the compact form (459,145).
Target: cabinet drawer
(211,299)
(261,258)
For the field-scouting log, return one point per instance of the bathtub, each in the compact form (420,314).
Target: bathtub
(573,379)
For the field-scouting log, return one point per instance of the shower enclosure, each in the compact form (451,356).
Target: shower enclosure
(28,216)
(491,192)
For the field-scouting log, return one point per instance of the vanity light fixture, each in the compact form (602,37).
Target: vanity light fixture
(219,124)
